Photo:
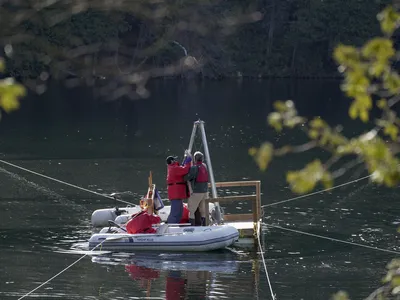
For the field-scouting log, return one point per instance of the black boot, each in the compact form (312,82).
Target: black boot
(203,221)
(192,222)
(197,218)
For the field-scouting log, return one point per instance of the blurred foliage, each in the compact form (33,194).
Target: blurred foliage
(370,81)
(10,92)
(119,46)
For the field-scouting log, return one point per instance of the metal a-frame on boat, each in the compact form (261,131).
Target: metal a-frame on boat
(200,125)
(247,224)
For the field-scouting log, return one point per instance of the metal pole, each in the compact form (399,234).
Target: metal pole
(210,170)
(192,137)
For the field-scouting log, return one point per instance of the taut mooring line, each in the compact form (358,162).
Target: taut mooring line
(66,183)
(273,296)
(333,239)
(59,273)
(317,192)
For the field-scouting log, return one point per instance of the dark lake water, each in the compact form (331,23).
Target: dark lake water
(112,146)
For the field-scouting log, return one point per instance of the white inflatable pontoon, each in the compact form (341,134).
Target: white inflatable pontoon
(100,217)
(168,238)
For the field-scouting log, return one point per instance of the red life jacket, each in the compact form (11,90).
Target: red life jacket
(177,186)
(202,172)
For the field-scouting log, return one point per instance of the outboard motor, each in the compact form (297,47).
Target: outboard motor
(214,216)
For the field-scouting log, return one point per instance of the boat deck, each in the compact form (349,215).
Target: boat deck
(241,225)
(246,233)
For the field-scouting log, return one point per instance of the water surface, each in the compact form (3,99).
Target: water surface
(109,147)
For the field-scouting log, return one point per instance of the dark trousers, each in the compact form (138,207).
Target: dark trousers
(175,215)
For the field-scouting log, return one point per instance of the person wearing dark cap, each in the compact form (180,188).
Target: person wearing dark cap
(198,177)
(177,186)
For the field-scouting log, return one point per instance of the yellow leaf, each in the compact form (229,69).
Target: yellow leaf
(292,122)
(395,281)
(392,82)
(364,116)
(389,20)
(9,102)
(317,123)
(364,101)
(252,151)
(336,139)
(393,264)
(290,176)
(356,84)
(392,131)
(378,68)
(313,134)
(347,56)
(360,107)
(341,295)
(264,155)
(382,103)
(325,138)
(380,49)
(275,121)
(306,179)
(9,94)
(327,180)
(388,277)
(280,106)
(353,111)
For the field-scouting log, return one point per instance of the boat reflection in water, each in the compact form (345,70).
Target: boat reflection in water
(188,275)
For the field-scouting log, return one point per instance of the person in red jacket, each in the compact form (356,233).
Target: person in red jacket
(178,189)
(142,222)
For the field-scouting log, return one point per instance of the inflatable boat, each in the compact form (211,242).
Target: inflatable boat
(167,238)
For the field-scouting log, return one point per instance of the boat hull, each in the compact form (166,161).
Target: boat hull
(196,238)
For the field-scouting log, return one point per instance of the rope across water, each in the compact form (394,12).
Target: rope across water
(65,183)
(273,296)
(317,192)
(333,239)
(62,271)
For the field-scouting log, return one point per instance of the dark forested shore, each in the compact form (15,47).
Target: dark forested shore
(269,38)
